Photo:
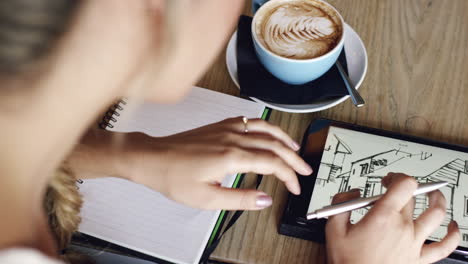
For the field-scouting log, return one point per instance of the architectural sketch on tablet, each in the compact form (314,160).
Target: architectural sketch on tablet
(354,159)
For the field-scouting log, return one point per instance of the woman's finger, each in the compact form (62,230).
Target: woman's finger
(264,162)
(236,199)
(261,126)
(258,141)
(436,251)
(387,179)
(431,219)
(408,210)
(339,224)
(399,193)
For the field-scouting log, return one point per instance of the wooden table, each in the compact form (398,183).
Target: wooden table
(416,83)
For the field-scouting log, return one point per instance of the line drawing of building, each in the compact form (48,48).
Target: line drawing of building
(341,171)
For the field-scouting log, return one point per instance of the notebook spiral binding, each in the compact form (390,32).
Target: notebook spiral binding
(112,112)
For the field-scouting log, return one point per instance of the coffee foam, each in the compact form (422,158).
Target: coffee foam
(299,29)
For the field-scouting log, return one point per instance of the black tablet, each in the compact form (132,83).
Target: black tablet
(346,156)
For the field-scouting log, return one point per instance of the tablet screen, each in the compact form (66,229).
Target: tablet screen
(353,159)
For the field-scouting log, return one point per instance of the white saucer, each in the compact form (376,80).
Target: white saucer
(356,57)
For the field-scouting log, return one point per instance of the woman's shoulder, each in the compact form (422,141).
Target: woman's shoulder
(25,255)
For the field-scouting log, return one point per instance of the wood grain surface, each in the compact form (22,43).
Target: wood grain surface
(416,83)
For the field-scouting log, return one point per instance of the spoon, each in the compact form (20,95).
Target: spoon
(355,96)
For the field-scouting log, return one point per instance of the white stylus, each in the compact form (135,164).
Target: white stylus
(364,202)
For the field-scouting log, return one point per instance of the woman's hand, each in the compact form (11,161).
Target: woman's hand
(388,233)
(189,167)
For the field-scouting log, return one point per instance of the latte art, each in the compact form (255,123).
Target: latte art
(299,30)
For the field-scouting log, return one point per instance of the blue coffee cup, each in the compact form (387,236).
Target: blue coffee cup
(289,70)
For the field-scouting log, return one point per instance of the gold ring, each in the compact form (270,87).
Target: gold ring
(245,120)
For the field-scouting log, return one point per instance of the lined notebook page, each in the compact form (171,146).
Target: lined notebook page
(141,219)
(201,107)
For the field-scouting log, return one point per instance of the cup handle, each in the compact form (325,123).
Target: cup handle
(256,4)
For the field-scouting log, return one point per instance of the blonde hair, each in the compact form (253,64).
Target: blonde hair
(62,204)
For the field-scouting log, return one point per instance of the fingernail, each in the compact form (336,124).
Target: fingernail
(386,178)
(355,190)
(297,190)
(263,201)
(307,169)
(454,224)
(295,145)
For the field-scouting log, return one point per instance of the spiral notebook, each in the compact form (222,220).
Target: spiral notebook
(140,219)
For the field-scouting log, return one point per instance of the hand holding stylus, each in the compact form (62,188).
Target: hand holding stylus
(388,233)
(367,201)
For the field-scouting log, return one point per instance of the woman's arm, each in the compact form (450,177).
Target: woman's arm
(188,167)
(101,153)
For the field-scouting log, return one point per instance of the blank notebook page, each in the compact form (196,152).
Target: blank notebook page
(141,219)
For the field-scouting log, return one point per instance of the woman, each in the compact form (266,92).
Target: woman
(62,62)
